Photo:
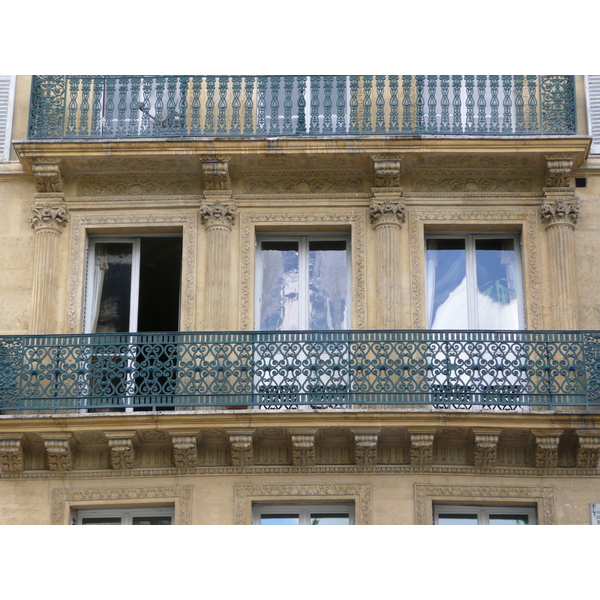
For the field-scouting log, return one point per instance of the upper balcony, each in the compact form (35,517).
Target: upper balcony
(223,106)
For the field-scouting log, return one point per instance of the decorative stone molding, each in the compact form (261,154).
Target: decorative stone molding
(242,449)
(216,175)
(247,494)
(49,218)
(121,445)
(486,446)
(546,447)
(59,451)
(12,450)
(426,495)
(475,184)
(218,215)
(65,499)
(303,447)
(317,184)
(387,170)
(421,448)
(387,213)
(559,168)
(588,448)
(139,188)
(560,212)
(185,451)
(365,447)
(47,178)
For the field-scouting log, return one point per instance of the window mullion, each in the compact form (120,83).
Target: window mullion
(303,282)
(471,275)
(135,285)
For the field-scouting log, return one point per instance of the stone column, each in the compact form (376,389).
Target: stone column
(560,212)
(218,220)
(387,215)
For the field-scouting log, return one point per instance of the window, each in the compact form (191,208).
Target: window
(300,514)
(7,96)
(125,516)
(483,515)
(474,282)
(595,511)
(303,283)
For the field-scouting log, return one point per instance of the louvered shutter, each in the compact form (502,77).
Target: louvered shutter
(593,89)
(7,92)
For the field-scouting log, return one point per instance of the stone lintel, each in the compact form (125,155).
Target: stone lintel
(588,448)
(546,447)
(303,446)
(122,448)
(242,447)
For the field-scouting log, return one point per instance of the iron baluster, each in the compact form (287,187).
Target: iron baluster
(71,120)
(533,126)
(420,105)
(98,95)
(470,104)
(354,83)
(407,117)
(107,130)
(209,123)
(288,85)
(315,89)
(507,104)
(380,104)
(236,86)
(367,126)
(123,86)
(394,126)
(157,121)
(134,107)
(249,88)
(144,106)
(482,126)
(183,105)
(301,122)
(445,104)
(85,107)
(341,86)
(327,104)
(519,105)
(170,122)
(432,126)
(261,106)
(494,104)
(275,125)
(195,122)
(222,105)
(457,124)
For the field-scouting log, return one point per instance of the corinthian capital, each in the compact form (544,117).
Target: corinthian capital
(218,215)
(560,212)
(49,217)
(387,213)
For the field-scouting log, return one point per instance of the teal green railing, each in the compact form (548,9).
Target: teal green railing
(274,370)
(116,107)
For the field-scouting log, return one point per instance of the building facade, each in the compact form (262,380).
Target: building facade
(299,299)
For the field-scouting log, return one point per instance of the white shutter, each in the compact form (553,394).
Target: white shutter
(593,93)
(7,93)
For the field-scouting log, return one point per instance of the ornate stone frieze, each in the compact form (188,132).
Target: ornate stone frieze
(588,449)
(60,454)
(121,447)
(185,451)
(47,178)
(303,447)
(218,215)
(486,447)
(474,184)
(317,184)
(387,170)
(242,449)
(546,447)
(559,168)
(421,448)
(12,454)
(216,175)
(48,217)
(139,187)
(365,447)
(560,212)
(387,213)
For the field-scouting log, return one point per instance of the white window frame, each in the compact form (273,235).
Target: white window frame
(125,514)
(595,513)
(303,510)
(303,240)
(7,99)
(483,512)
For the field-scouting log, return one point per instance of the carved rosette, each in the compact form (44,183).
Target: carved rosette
(242,449)
(486,447)
(49,218)
(121,451)
(185,451)
(60,455)
(47,178)
(421,449)
(365,448)
(218,215)
(216,175)
(546,448)
(588,449)
(387,170)
(11,455)
(387,213)
(303,448)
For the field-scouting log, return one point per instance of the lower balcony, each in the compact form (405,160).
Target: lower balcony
(426,370)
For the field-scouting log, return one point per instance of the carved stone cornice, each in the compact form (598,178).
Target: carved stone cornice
(486,447)
(121,445)
(387,213)
(59,451)
(387,170)
(216,175)
(421,448)
(12,454)
(559,168)
(49,218)
(303,447)
(560,212)
(218,215)
(588,449)
(242,449)
(546,447)
(47,178)
(185,451)
(365,447)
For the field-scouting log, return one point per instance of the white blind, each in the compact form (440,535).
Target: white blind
(7,92)
(593,89)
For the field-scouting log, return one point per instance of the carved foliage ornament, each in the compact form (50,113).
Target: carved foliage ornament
(11,456)
(59,455)
(218,215)
(303,449)
(486,447)
(387,213)
(216,175)
(47,178)
(49,217)
(241,449)
(421,448)
(387,171)
(558,170)
(560,212)
(185,452)
(121,453)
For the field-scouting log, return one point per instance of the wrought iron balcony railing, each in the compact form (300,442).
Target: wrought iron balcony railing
(106,106)
(273,370)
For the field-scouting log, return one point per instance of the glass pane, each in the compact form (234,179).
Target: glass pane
(447,284)
(329,519)
(290,519)
(112,287)
(457,519)
(327,273)
(151,521)
(279,305)
(497,303)
(509,519)
(101,521)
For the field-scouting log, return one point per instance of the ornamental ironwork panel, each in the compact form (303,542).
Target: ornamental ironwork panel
(156,106)
(478,370)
